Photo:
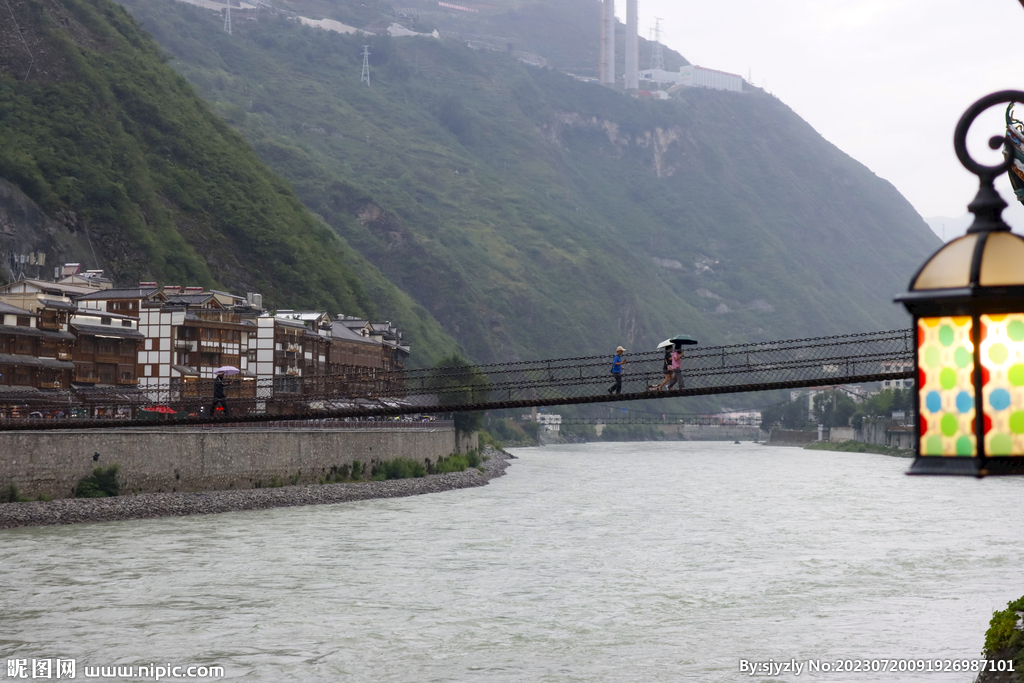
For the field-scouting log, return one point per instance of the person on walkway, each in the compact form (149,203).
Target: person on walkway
(676,366)
(218,395)
(617,371)
(666,367)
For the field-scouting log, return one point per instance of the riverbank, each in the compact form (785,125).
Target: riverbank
(859,447)
(149,505)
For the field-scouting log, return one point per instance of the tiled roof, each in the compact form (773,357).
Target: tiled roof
(342,332)
(190,299)
(20,359)
(13,329)
(132,293)
(14,310)
(109,331)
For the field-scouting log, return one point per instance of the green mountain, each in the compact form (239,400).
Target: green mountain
(522,212)
(536,215)
(131,168)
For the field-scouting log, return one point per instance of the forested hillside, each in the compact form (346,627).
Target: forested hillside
(119,151)
(536,215)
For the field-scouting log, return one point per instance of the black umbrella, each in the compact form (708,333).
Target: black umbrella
(678,340)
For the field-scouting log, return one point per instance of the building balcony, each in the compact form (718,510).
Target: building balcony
(185,345)
(127,381)
(218,316)
(107,358)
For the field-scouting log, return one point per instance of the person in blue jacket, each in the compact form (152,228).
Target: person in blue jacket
(617,362)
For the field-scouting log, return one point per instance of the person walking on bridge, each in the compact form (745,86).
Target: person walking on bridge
(676,366)
(219,397)
(617,362)
(666,367)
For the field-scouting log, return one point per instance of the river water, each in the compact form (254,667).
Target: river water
(605,563)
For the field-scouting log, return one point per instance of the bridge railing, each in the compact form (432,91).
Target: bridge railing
(585,379)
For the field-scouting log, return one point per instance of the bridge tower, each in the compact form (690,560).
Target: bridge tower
(632,74)
(607,42)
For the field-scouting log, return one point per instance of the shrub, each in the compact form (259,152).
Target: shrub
(399,468)
(337,474)
(531,429)
(457,462)
(453,463)
(100,484)
(485,439)
(11,494)
(357,469)
(1004,640)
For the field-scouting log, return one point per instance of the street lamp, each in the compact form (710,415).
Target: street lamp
(967,301)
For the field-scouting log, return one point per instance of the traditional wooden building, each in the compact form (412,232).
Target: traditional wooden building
(106,349)
(34,362)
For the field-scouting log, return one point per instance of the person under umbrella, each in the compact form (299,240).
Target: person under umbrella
(666,367)
(676,367)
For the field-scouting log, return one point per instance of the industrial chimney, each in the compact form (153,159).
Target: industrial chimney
(632,47)
(608,42)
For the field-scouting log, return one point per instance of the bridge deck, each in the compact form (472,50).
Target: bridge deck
(794,363)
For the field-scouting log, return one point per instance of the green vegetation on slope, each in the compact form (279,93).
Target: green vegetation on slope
(525,209)
(100,130)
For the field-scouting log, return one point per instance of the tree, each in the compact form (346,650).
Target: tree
(791,414)
(457,382)
(830,415)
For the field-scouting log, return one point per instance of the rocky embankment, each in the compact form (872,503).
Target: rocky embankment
(146,505)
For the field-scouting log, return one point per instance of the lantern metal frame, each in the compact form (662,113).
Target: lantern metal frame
(973,300)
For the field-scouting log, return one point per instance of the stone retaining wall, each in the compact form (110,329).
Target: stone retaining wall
(790,437)
(152,459)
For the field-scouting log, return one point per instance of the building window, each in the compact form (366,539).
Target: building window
(105,321)
(24,321)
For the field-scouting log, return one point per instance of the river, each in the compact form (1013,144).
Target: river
(605,563)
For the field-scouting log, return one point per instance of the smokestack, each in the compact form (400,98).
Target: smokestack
(632,48)
(608,42)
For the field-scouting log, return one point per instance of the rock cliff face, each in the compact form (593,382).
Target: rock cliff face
(25,229)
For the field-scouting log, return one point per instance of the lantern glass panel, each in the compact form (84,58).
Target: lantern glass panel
(1002,362)
(945,372)
(1001,264)
(950,267)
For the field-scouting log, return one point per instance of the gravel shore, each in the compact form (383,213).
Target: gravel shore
(146,505)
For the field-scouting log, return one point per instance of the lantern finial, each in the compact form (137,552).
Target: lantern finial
(987,206)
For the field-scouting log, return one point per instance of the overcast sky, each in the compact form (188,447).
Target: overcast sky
(883,80)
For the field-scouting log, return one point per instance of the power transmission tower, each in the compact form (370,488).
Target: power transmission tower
(227,20)
(366,66)
(657,58)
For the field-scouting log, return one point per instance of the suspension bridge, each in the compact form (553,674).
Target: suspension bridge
(365,394)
